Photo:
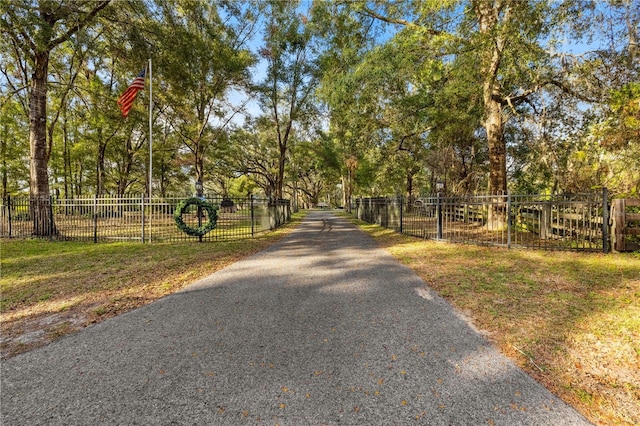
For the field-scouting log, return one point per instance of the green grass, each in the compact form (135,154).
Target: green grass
(42,279)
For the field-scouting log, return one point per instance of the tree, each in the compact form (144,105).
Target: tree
(36,28)
(13,148)
(286,92)
(503,39)
(579,136)
(255,154)
(351,129)
(484,95)
(203,55)
(308,179)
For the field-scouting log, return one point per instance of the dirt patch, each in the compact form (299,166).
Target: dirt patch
(32,332)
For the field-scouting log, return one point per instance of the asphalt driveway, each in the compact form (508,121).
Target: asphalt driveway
(322,328)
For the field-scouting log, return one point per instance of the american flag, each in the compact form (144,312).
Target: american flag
(125,101)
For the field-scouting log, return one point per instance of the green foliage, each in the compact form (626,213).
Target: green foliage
(622,128)
(14,149)
(241,187)
(376,97)
(286,92)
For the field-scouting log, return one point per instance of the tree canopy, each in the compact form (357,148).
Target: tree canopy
(320,100)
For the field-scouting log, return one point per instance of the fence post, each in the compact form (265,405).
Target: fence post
(142,213)
(252,215)
(387,201)
(200,218)
(439,216)
(605,220)
(150,203)
(51,224)
(508,219)
(401,201)
(546,230)
(95,219)
(619,222)
(9,212)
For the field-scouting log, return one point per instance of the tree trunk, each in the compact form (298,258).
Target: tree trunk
(3,154)
(100,172)
(497,219)
(494,127)
(489,15)
(199,163)
(281,164)
(346,193)
(39,177)
(409,189)
(66,156)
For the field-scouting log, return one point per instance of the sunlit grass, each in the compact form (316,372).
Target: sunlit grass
(89,282)
(571,320)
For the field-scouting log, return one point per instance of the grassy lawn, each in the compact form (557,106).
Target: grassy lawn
(571,320)
(49,289)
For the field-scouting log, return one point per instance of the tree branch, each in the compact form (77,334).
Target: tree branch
(410,135)
(572,92)
(516,100)
(372,14)
(81,24)
(10,28)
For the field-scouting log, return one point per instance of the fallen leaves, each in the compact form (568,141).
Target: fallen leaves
(582,294)
(96,290)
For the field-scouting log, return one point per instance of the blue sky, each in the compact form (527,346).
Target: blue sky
(259,71)
(568,45)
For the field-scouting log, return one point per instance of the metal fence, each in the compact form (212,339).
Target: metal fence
(135,218)
(549,222)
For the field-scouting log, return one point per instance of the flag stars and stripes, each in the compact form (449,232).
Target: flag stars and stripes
(125,101)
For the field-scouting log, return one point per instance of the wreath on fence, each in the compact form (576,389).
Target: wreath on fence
(212,215)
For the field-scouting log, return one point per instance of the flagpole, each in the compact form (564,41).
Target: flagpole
(150,128)
(150,141)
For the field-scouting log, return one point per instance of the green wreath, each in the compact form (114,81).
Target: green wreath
(212,214)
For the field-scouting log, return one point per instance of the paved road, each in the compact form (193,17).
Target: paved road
(322,328)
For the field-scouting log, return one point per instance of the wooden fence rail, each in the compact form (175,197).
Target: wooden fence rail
(625,228)
(548,222)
